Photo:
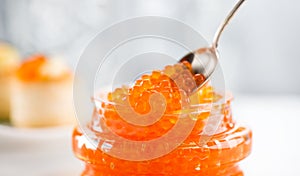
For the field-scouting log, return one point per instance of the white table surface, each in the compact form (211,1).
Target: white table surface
(275,121)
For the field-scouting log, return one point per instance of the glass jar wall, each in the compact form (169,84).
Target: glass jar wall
(219,155)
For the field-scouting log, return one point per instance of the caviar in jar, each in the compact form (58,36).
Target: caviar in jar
(198,153)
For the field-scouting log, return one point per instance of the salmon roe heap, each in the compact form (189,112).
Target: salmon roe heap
(174,83)
(29,70)
(39,68)
(198,155)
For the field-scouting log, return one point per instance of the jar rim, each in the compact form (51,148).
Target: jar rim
(209,106)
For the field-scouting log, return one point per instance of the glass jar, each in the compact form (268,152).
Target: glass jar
(200,153)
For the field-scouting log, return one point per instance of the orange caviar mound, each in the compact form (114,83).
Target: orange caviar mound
(29,70)
(33,70)
(173,86)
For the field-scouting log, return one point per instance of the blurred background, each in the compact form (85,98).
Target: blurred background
(259,58)
(258,49)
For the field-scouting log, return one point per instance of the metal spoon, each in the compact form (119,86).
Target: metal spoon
(204,60)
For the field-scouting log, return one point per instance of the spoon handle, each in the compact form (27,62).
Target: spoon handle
(224,24)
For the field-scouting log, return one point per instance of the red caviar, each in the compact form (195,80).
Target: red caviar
(31,70)
(173,83)
(218,158)
(217,155)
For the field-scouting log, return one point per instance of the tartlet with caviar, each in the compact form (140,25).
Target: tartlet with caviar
(42,93)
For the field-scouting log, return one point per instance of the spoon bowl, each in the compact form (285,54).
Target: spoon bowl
(204,60)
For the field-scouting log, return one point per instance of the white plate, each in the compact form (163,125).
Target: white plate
(46,133)
(37,152)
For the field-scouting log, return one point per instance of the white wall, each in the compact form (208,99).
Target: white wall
(259,49)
